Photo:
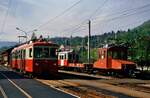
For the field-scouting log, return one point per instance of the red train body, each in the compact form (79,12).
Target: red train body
(36,58)
(112,58)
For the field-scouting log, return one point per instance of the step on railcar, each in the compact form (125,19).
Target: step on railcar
(35,58)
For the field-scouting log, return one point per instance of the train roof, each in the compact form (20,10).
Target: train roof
(66,51)
(37,43)
(44,43)
(112,46)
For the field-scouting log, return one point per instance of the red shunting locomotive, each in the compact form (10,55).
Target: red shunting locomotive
(114,59)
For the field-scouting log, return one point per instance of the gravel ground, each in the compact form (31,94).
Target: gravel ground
(89,86)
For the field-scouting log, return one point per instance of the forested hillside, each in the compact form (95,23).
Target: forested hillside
(118,37)
(137,39)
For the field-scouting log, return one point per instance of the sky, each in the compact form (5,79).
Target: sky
(65,18)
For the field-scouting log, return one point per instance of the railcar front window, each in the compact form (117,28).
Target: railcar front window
(38,52)
(118,55)
(53,52)
(44,52)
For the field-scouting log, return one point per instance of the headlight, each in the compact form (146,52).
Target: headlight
(36,64)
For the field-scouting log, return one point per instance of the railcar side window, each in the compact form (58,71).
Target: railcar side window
(19,54)
(24,53)
(30,52)
(65,56)
(16,54)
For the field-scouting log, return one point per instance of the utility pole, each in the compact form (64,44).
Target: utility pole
(89,35)
(70,41)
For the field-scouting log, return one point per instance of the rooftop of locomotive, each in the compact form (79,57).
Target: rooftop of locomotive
(113,47)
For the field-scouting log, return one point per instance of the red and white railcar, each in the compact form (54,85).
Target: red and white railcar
(35,57)
(69,59)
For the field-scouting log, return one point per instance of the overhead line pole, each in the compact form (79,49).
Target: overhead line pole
(89,36)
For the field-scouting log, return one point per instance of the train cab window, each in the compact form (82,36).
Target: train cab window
(65,56)
(102,54)
(119,55)
(30,52)
(46,53)
(69,57)
(60,57)
(53,52)
(109,53)
(38,52)
(77,57)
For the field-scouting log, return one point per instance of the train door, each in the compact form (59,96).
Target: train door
(62,59)
(109,59)
(23,59)
(16,58)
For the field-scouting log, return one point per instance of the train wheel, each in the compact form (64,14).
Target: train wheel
(30,75)
(131,73)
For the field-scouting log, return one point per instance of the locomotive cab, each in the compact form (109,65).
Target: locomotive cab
(45,59)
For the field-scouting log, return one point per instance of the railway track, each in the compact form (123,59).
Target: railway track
(95,86)
(132,83)
(14,85)
(139,86)
(85,75)
(74,88)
